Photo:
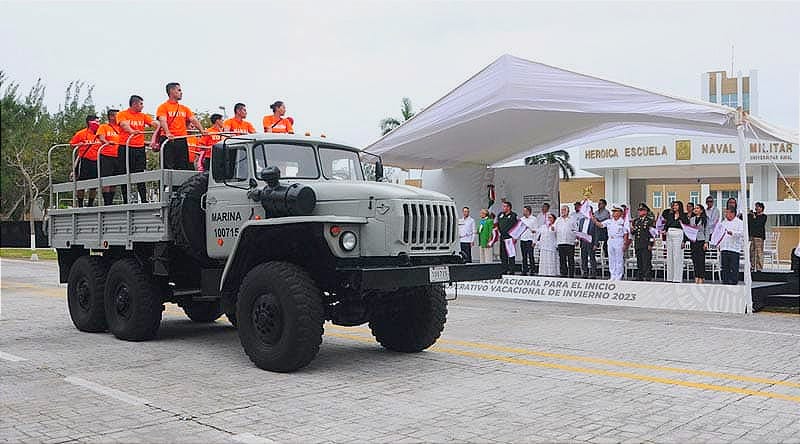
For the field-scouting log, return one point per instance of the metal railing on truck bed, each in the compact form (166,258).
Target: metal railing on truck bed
(105,226)
(116,225)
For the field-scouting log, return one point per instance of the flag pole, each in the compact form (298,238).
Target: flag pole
(745,204)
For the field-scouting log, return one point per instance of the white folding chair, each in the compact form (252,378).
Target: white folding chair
(659,261)
(688,264)
(771,247)
(712,263)
(602,260)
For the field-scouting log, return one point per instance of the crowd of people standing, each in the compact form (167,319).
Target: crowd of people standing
(696,227)
(118,145)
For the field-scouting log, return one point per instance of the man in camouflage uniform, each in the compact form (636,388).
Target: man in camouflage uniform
(643,242)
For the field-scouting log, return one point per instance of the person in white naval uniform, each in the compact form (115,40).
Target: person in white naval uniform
(618,235)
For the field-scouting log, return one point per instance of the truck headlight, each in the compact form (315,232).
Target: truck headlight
(348,241)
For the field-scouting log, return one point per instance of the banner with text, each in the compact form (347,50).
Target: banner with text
(666,295)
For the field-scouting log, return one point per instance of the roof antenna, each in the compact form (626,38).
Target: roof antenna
(733,73)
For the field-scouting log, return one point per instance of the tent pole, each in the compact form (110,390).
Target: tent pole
(744,204)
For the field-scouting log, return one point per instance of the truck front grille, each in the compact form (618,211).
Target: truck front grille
(429,226)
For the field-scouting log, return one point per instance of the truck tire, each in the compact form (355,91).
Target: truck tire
(409,320)
(133,301)
(85,294)
(280,316)
(187,217)
(203,311)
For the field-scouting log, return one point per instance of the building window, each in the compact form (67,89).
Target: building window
(727,194)
(694,197)
(731,100)
(789,220)
(657,199)
(671,197)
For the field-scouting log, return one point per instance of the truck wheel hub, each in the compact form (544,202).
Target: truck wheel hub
(83,294)
(268,319)
(122,301)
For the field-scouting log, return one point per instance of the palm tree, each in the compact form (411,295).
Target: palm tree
(390,123)
(559,157)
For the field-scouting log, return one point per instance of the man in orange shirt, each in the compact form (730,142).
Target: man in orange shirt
(108,134)
(133,123)
(276,123)
(86,159)
(211,137)
(237,124)
(173,117)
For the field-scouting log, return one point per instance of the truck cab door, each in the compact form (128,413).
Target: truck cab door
(227,204)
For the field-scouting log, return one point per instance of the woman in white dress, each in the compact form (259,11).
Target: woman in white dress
(548,248)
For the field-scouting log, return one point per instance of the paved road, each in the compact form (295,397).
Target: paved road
(505,371)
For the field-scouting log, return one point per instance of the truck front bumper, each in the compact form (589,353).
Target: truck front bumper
(387,278)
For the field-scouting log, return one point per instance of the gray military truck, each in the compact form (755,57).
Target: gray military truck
(284,233)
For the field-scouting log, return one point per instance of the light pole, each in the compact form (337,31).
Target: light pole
(224,112)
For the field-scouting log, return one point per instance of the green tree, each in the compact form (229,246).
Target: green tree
(559,157)
(389,123)
(28,131)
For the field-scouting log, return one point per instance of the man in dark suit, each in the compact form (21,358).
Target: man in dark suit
(588,259)
(505,222)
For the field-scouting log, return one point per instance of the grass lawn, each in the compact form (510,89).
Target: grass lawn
(25,253)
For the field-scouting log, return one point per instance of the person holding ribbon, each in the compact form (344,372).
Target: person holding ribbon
(548,247)
(618,238)
(699,223)
(674,220)
(728,236)
(485,227)
(586,234)
(566,227)
(643,237)
(506,221)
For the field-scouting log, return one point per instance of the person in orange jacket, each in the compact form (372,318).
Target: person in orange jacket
(212,136)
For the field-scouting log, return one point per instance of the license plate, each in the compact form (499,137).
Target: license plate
(439,274)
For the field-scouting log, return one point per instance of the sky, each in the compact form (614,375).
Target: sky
(342,66)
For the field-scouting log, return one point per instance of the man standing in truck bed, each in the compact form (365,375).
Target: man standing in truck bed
(108,134)
(237,124)
(86,158)
(133,122)
(173,117)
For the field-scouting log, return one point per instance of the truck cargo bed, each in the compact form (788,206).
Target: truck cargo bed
(122,225)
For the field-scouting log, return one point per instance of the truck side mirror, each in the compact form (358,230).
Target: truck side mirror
(378,171)
(271,175)
(218,163)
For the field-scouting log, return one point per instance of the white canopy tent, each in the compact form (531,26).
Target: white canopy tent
(515,108)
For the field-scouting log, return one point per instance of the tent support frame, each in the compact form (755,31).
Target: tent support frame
(745,205)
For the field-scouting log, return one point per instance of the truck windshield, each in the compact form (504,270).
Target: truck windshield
(294,160)
(340,164)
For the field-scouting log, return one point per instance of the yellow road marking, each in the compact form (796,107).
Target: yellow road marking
(611,362)
(593,371)
(61,292)
(777,313)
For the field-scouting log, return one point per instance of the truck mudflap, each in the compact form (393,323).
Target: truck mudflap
(386,278)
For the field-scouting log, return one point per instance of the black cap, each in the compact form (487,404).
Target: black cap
(643,206)
(91,117)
